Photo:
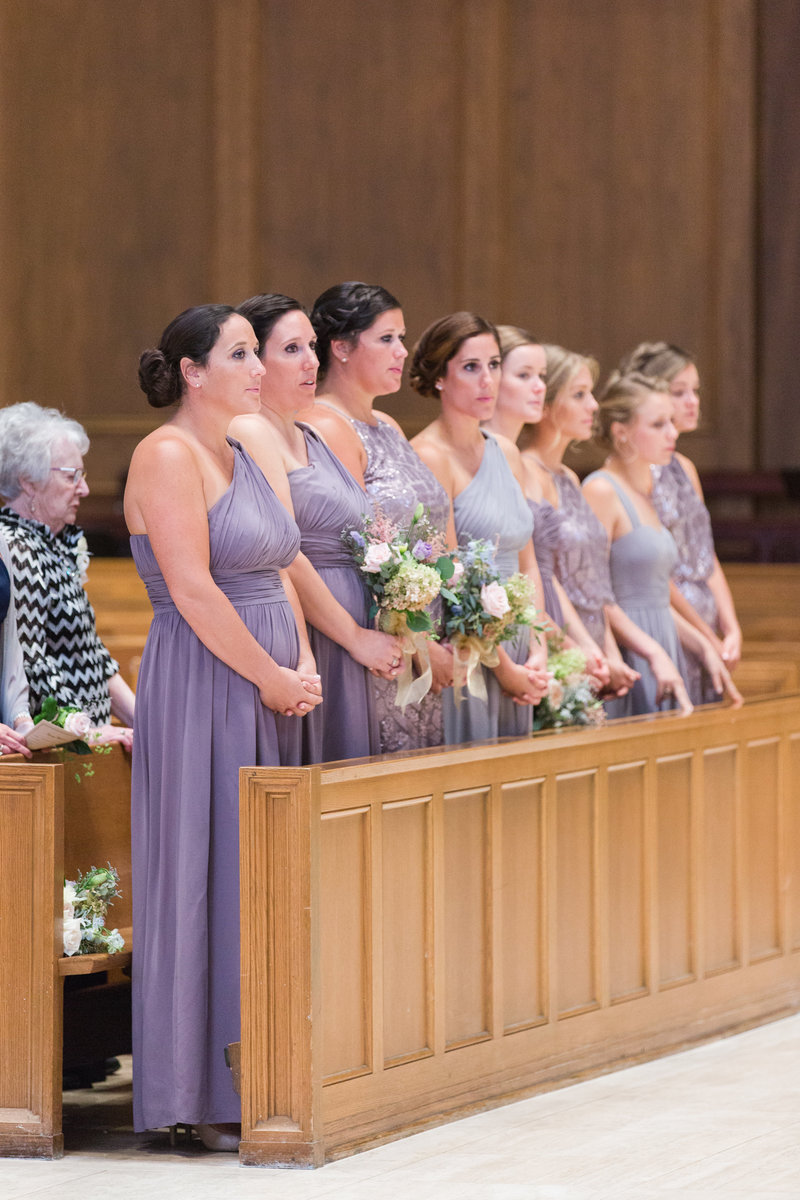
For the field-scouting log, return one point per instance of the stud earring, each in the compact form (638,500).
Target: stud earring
(344,360)
(438,387)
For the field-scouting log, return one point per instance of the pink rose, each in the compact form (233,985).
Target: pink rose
(377,554)
(458,571)
(78,723)
(494,599)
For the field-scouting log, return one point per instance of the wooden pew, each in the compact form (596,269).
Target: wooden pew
(428,934)
(52,827)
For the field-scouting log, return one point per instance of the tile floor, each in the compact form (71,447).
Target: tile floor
(722,1119)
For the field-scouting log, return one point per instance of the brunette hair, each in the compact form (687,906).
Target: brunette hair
(264,311)
(343,312)
(656,360)
(192,334)
(439,343)
(622,397)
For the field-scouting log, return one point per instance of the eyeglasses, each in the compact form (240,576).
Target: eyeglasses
(76,474)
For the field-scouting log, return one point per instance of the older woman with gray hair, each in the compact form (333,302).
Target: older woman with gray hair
(42,480)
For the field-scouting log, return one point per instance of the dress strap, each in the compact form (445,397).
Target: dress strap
(625,500)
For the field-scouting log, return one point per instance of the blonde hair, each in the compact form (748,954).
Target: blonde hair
(511,337)
(656,360)
(562,366)
(622,397)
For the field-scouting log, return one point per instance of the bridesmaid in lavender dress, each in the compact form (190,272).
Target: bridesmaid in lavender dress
(324,499)
(520,405)
(360,346)
(225,674)
(458,359)
(701,591)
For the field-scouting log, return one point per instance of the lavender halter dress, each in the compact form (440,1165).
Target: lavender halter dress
(641,563)
(197,722)
(493,507)
(396,480)
(686,517)
(326,500)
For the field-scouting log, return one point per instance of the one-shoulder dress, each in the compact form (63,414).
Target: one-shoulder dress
(397,480)
(327,500)
(493,507)
(641,563)
(197,723)
(684,514)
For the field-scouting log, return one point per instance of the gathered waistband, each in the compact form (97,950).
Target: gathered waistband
(241,588)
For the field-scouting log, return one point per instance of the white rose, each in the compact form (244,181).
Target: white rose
(377,554)
(458,571)
(72,936)
(78,723)
(494,599)
(555,692)
(69,900)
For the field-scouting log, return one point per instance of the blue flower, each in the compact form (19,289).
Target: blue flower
(456,610)
(358,539)
(422,550)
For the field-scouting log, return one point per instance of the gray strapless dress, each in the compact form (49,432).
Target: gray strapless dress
(581,557)
(327,499)
(641,563)
(197,722)
(396,480)
(545,543)
(685,515)
(493,507)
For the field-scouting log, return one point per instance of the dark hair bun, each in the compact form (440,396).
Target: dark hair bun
(157,379)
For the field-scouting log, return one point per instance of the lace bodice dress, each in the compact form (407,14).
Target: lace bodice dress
(396,480)
(581,556)
(684,514)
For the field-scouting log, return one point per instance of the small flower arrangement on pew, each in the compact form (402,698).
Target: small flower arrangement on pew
(480,612)
(405,569)
(571,697)
(65,729)
(86,902)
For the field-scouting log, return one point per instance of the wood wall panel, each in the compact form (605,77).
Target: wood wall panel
(407,940)
(346,935)
(576,865)
(522,916)
(792,846)
(627,899)
(584,168)
(675,893)
(762,832)
(466,905)
(722,909)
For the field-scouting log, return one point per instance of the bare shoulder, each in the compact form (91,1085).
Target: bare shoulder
(389,420)
(258,439)
(435,453)
(165,449)
(691,473)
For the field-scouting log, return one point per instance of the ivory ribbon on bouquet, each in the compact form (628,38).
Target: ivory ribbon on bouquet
(409,689)
(470,652)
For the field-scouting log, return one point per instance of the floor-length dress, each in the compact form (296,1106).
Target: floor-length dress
(684,514)
(197,722)
(641,562)
(493,507)
(397,480)
(327,500)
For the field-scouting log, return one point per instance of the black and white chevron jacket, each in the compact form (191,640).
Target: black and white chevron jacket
(63,655)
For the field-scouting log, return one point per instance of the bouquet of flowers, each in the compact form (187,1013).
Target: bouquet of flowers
(86,902)
(480,612)
(571,697)
(66,728)
(404,570)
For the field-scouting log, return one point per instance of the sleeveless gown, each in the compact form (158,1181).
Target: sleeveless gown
(545,544)
(326,500)
(641,563)
(397,480)
(684,514)
(493,507)
(197,722)
(581,556)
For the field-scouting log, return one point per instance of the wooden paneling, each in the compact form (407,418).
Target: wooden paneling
(661,877)
(583,168)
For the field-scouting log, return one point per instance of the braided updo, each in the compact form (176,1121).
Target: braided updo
(656,360)
(343,312)
(193,334)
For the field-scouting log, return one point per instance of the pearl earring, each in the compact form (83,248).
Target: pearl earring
(438,387)
(344,360)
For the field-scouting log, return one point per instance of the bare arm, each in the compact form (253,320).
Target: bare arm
(165,496)
(668,677)
(341,438)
